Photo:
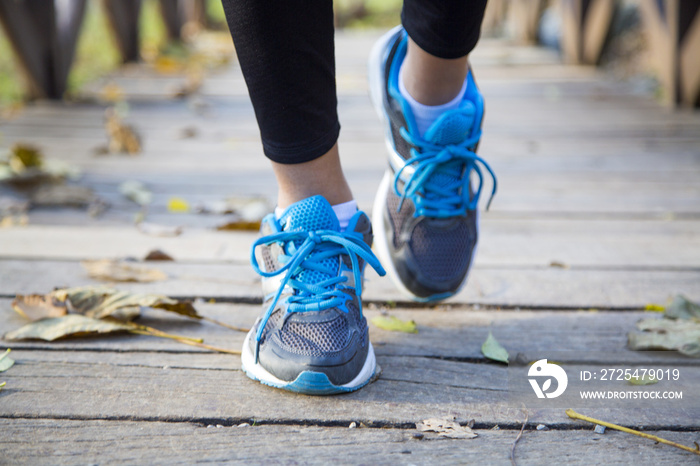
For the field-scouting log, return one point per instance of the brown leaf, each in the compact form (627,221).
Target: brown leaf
(36,307)
(122,138)
(236,225)
(117,271)
(100,301)
(25,165)
(157,255)
(189,132)
(69,325)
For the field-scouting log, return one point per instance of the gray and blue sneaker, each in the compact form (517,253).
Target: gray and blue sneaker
(425,211)
(312,337)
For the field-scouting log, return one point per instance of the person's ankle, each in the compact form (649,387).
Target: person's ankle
(426,115)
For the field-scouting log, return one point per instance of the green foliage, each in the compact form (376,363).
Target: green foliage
(96,53)
(10,80)
(493,350)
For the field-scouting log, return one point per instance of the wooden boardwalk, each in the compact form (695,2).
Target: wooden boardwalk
(597,215)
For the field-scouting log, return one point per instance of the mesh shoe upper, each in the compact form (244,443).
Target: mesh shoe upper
(314,317)
(429,210)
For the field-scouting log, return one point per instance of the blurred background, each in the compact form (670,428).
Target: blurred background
(653,44)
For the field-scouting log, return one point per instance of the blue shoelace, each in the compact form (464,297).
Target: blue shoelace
(316,247)
(455,160)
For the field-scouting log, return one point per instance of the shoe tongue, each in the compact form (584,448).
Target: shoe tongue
(311,214)
(453,126)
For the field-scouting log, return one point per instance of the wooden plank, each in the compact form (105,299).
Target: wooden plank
(62,441)
(403,394)
(503,242)
(444,332)
(497,286)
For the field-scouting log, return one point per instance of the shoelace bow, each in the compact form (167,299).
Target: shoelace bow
(316,247)
(442,200)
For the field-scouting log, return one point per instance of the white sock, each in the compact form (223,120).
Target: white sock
(425,115)
(343,211)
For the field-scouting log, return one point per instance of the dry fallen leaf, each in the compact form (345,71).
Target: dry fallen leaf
(153,229)
(101,301)
(69,325)
(193,82)
(37,307)
(157,255)
(446,428)
(122,138)
(666,334)
(112,92)
(52,195)
(683,308)
(14,221)
(189,132)
(6,361)
(25,156)
(237,225)
(117,271)
(250,209)
(178,205)
(136,191)
(164,64)
(394,324)
(13,212)
(644,380)
(493,350)
(678,329)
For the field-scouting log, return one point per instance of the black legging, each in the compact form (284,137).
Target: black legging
(286,52)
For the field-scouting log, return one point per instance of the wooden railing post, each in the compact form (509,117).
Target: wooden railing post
(123,16)
(174,16)
(673,28)
(525,16)
(43,34)
(585,27)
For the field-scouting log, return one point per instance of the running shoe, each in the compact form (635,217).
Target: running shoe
(312,337)
(425,211)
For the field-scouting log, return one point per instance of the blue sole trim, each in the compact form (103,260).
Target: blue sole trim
(311,383)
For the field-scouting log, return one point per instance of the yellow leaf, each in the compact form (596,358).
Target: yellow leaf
(112,93)
(178,205)
(654,307)
(167,65)
(239,225)
(394,324)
